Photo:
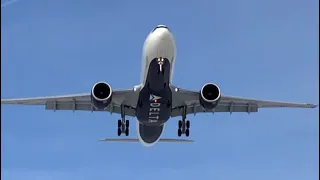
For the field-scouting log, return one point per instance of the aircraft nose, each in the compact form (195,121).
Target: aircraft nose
(161,43)
(160,27)
(162,32)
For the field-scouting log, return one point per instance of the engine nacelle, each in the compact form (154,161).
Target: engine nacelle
(210,95)
(101,95)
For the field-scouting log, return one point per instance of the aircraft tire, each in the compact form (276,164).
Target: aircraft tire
(179,132)
(187,132)
(179,124)
(188,124)
(127,124)
(119,123)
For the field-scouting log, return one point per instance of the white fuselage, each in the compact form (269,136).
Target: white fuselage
(159,43)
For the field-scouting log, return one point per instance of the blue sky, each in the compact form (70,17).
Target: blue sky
(265,49)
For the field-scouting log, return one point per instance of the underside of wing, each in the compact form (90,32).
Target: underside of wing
(189,101)
(263,103)
(81,102)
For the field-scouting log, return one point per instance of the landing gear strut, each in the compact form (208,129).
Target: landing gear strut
(160,61)
(123,125)
(184,125)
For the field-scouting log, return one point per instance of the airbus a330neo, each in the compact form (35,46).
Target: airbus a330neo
(155,99)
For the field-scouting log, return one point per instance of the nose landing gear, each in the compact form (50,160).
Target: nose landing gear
(160,61)
(184,125)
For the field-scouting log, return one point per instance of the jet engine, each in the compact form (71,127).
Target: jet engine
(210,95)
(101,95)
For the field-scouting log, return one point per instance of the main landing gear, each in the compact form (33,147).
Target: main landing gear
(123,125)
(184,125)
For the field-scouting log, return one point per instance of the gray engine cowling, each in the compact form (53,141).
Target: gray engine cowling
(101,95)
(210,95)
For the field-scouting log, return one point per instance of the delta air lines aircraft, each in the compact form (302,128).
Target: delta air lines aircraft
(155,100)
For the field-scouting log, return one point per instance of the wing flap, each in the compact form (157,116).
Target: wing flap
(85,106)
(70,105)
(221,108)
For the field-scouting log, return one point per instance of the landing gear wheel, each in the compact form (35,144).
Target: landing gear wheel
(188,124)
(184,124)
(127,124)
(180,124)
(187,132)
(123,125)
(179,132)
(119,123)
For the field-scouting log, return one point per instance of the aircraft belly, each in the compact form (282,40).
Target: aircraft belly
(155,98)
(150,134)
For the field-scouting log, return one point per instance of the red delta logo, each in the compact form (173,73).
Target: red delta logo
(154,109)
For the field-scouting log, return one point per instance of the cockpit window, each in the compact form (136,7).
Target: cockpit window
(160,26)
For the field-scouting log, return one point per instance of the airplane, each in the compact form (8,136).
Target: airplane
(155,100)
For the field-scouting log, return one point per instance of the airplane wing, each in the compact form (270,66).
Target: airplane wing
(165,140)
(227,104)
(128,98)
(82,102)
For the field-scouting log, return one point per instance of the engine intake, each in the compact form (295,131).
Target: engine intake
(210,95)
(101,95)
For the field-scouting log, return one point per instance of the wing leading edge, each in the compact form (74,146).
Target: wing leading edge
(128,98)
(230,104)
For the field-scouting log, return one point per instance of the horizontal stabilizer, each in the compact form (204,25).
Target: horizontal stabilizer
(137,140)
